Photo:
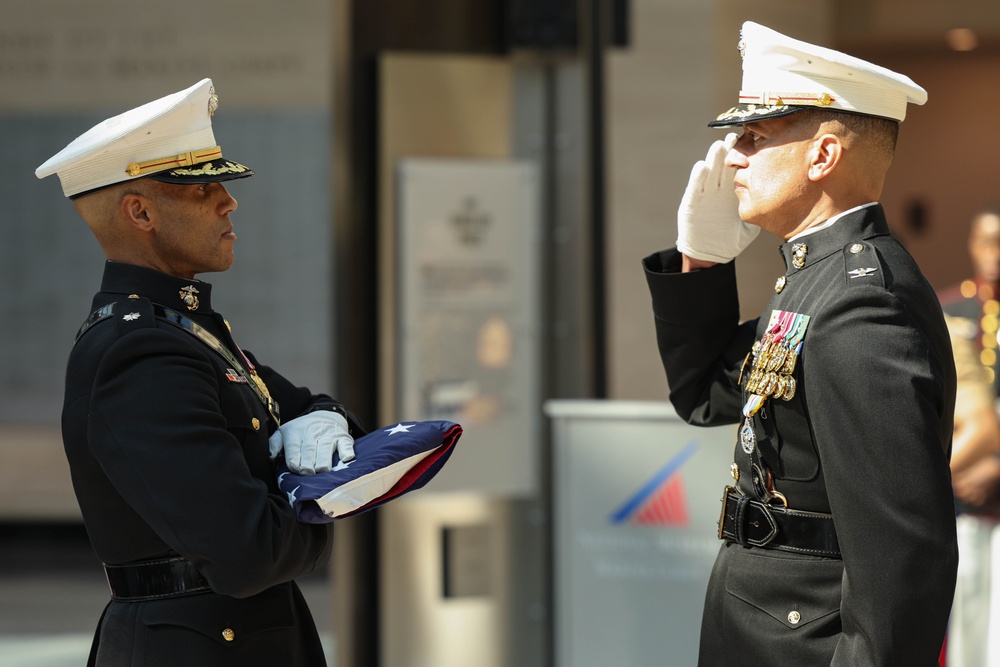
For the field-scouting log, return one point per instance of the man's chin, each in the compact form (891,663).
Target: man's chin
(220,266)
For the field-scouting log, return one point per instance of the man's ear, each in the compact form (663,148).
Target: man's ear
(138,210)
(824,156)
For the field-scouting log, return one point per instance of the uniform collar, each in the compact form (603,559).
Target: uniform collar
(858,224)
(180,294)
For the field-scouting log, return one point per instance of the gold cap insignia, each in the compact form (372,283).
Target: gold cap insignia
(213,101)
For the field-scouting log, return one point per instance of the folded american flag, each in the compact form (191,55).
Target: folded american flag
(389,462)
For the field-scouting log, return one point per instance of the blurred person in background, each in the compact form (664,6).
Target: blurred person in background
(977,299)
(973,310)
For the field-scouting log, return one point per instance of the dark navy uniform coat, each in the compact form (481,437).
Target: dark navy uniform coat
(866,437)
(169,456)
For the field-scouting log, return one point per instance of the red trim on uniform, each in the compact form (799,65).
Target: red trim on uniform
(785,99)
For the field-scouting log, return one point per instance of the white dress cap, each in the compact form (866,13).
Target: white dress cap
(782,75)
(169,139)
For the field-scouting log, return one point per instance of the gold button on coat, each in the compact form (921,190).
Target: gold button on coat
(256,424)
(228,634)
(794,617)
(856,248)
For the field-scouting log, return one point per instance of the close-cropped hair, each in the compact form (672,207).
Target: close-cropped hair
(879,134)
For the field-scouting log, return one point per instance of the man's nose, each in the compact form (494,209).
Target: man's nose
(735,158)
(229,203)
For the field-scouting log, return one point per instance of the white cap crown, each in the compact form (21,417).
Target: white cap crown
(781,75)
(160,137)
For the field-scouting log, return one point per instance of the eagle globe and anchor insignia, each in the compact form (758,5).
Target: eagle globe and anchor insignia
(188,297)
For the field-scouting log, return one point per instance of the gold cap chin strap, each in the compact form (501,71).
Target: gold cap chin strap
(164,163)
(780,99)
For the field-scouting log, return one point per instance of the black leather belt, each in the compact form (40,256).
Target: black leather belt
(752,523)
(154,580)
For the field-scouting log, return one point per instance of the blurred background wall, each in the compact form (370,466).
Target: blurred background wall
(608,98)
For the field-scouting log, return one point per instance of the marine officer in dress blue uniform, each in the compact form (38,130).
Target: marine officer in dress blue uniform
(838,532)
(170,429)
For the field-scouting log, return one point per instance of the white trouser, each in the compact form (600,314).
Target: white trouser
(974,629)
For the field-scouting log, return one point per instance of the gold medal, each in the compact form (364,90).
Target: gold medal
(789,366)
(781,386)
(760,359)
(768,385)
(789,391)
(777,359)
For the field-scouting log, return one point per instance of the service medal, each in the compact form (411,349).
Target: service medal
(789,392)
(789,366)
(777,360)
(748,439)
(775,357)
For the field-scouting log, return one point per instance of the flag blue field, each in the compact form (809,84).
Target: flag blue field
(389,462)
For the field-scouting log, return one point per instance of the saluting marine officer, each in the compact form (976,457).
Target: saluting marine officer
(839,531)
(170,429)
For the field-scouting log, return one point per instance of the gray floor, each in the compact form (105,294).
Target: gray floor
(52,591)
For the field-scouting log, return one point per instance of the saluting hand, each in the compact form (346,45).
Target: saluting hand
(309,442)
(708,223)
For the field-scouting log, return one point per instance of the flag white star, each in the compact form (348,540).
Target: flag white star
(341,465)
(291,495)
(399,428)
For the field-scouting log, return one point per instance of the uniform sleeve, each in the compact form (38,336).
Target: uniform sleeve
(701,343)
(876,393)
(165,441)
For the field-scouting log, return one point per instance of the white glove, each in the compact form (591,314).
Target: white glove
(708,221)
(309,442)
